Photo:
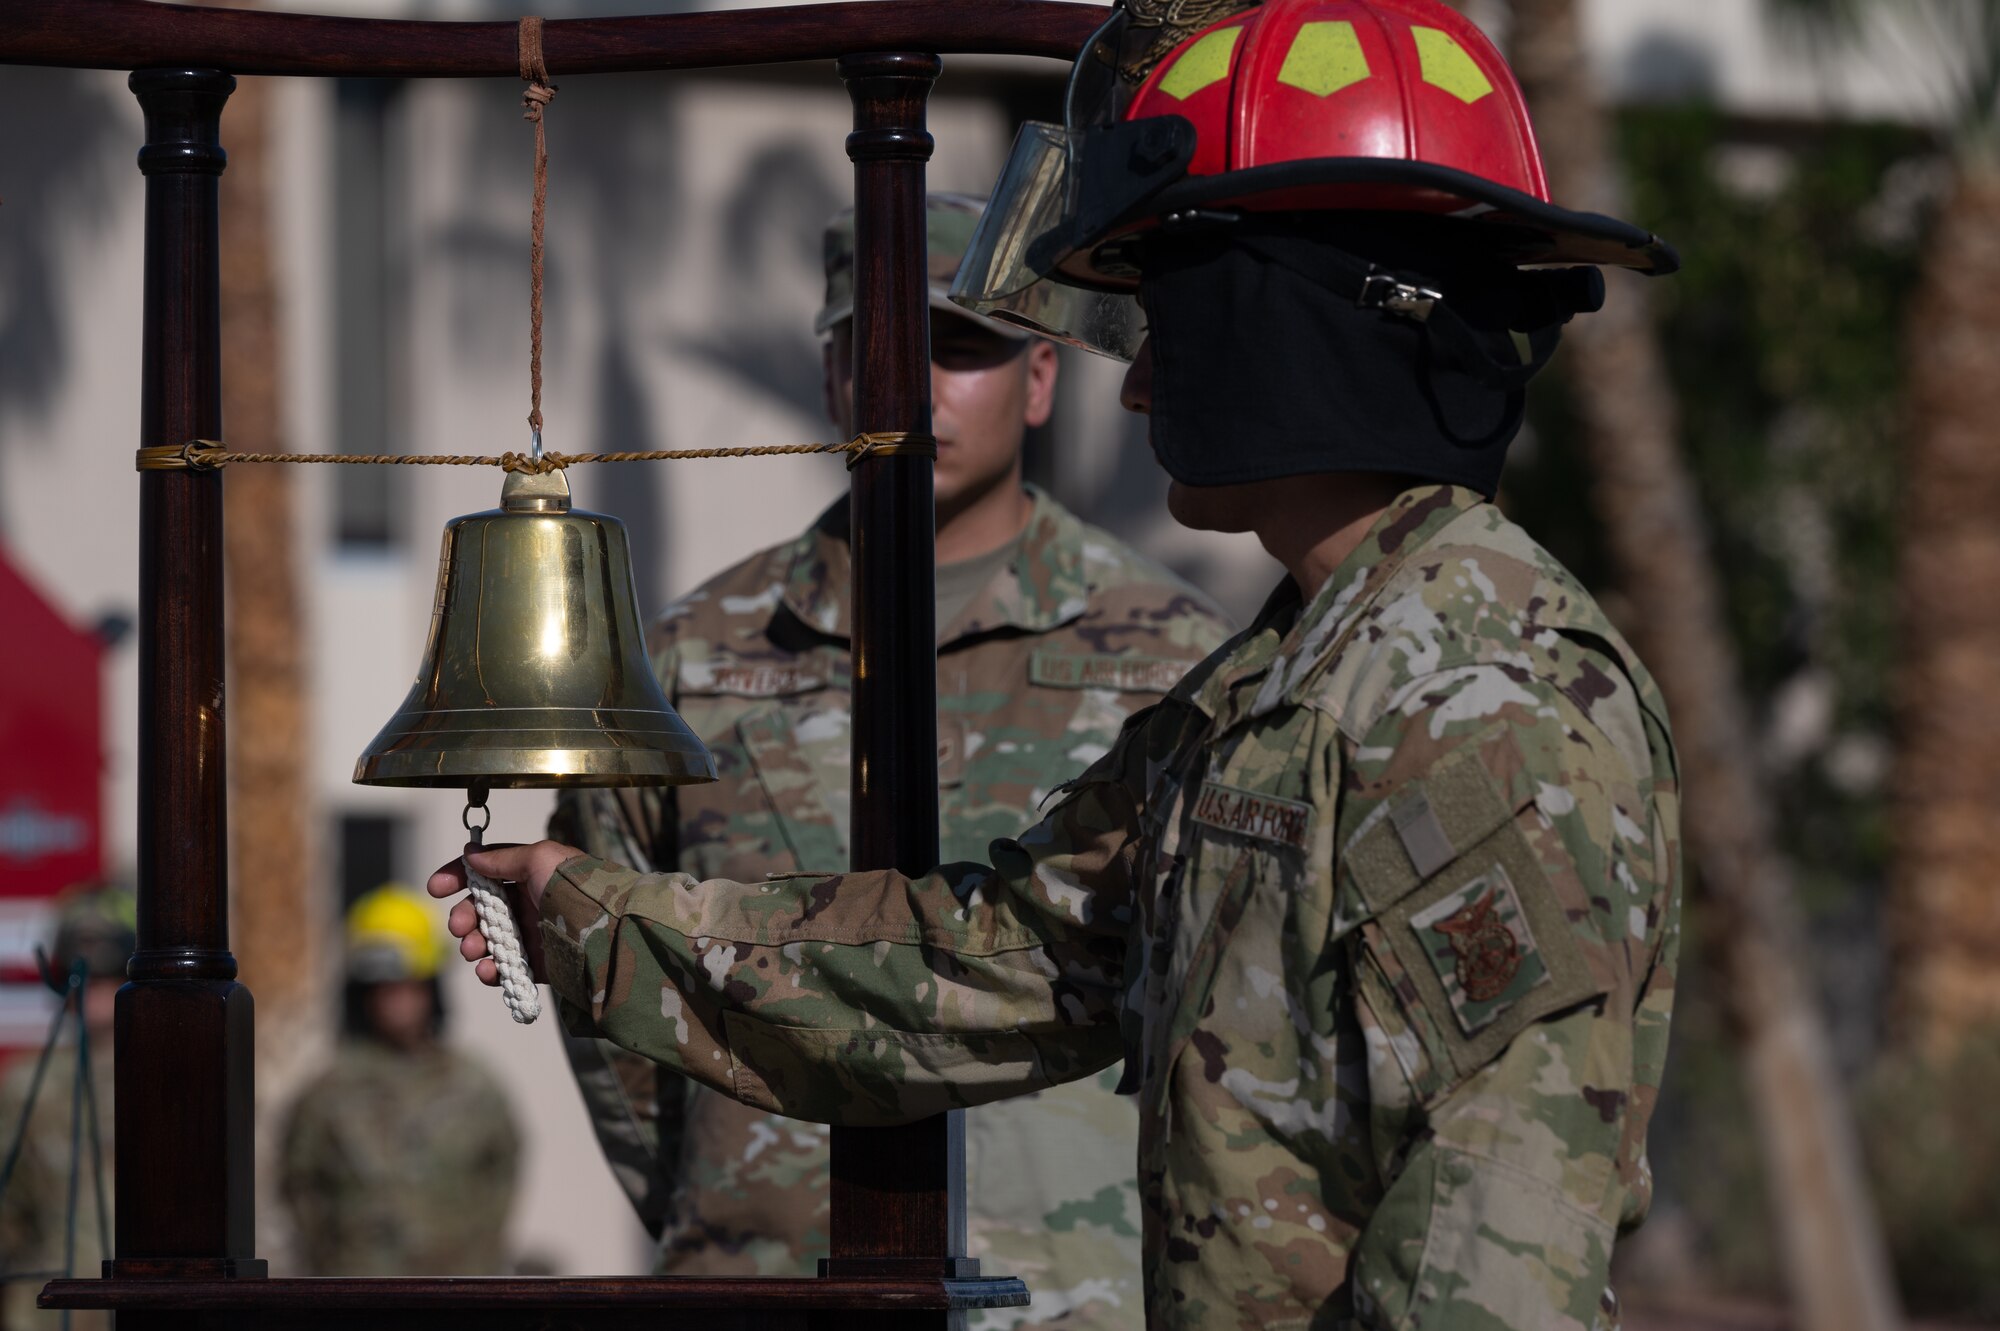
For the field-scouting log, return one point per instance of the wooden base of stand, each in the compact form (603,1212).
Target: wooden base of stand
(448,1304)
(954,1269)
(136,1269)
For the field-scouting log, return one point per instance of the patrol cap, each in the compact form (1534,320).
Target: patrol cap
(97,923)
(950,220)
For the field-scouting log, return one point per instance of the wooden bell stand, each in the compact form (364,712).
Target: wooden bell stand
(185,1234)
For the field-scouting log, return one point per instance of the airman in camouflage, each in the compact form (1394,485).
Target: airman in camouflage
(1380,906)
(400,1164)
(400,1159)
(34,1215)
(1062,635)
(95,925)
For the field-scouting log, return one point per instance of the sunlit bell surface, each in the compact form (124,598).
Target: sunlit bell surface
(535,670)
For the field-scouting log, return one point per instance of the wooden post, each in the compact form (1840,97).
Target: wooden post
(897,1208)
(184,1024)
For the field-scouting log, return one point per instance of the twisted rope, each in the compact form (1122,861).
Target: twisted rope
(534,99)
(503,943)
(210,454)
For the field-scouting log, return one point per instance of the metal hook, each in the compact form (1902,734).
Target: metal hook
(475,798)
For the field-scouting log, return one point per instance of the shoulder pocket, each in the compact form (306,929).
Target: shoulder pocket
(1472,929)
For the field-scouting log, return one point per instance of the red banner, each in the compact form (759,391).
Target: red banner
(51,745)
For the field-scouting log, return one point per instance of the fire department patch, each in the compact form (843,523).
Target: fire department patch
(1478,940)
(1252,813)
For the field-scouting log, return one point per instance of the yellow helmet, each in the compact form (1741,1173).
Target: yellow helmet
(391,935)
(97,923)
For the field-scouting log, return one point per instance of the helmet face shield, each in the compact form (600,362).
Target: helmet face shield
(1006,272)
(1059,193)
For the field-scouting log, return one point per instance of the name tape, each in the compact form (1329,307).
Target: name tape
(1126,674)
(749,681)
(1254,814)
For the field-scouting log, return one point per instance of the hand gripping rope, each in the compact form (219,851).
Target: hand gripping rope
(496,922)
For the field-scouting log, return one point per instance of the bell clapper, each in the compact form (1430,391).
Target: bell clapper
(496,922)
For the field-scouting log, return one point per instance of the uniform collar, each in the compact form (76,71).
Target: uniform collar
(1042,588)
(1292,640)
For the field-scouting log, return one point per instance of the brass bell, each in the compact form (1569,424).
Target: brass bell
(535,672)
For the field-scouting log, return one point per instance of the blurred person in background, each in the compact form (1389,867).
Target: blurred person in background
(400,1159)
(1050,634)
(97,929)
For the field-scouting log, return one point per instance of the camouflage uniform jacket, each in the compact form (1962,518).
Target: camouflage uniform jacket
(34,1213)
(1037,675)
(397,1164)
(1380,907)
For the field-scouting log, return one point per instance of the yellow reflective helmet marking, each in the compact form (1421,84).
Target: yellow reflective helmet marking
(1447,66)
(1325,57)
(1202,65)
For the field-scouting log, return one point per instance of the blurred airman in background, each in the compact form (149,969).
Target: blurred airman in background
(400,1159)
(96,930)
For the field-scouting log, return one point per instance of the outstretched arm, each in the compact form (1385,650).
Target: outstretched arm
(864,998)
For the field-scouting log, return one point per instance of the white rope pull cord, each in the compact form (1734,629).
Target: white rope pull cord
(503,944)
(496,922)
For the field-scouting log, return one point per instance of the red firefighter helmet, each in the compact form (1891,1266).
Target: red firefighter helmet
(1287,106)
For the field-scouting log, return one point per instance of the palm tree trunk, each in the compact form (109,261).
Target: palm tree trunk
(1836,1265)
(1944,912)
(275,908)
